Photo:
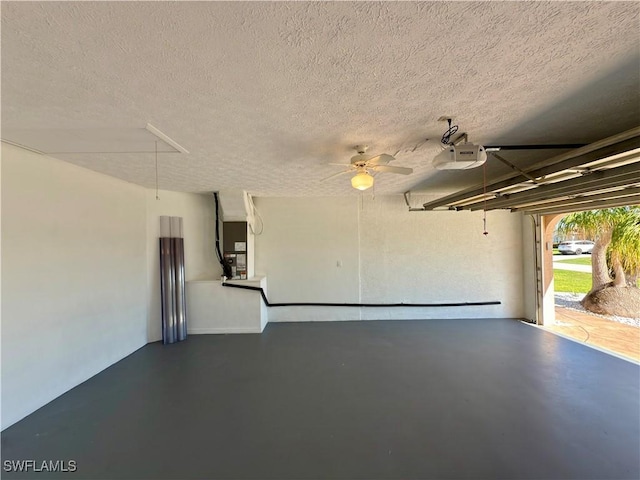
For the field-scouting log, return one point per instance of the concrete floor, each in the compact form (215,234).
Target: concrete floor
(479,399)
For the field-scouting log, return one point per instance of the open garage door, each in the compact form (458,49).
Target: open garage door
(603,174)
(599,175)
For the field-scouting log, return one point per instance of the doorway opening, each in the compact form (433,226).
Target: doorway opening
(566,279)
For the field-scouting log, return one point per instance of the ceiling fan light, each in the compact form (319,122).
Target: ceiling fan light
(362,181)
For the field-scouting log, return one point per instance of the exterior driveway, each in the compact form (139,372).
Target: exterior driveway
(609,335)
(594,330)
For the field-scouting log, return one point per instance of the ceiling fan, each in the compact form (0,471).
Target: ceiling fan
(362,164)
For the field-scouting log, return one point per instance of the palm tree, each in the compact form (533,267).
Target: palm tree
(625,249)
(615,259)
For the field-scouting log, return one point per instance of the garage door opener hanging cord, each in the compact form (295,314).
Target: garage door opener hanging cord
(484,209)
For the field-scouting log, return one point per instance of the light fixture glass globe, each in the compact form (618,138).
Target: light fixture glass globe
(362,181)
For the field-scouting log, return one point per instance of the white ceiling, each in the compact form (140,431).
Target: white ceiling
(265,94)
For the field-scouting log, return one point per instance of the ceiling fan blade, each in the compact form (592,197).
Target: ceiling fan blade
(391,169)
(380,159)
(336,175)
(340,164)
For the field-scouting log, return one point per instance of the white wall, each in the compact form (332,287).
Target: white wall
(214,308)
(388,255)
(308,251)
(80,272)
(441,256)
(74,277)
(198,213)
(0,286)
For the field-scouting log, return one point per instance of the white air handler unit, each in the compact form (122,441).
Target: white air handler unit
(217,309)
(237,233)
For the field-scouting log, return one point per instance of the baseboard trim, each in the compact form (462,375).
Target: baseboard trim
(222,330)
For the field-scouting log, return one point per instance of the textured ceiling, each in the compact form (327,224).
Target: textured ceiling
(264,95)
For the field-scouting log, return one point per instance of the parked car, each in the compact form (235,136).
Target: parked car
(575,247)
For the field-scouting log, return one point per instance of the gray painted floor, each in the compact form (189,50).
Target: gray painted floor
(492,399)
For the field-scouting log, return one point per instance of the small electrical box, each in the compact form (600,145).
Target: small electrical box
(234,243)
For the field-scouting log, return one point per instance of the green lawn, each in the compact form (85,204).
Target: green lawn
(568,281)
(578,261)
